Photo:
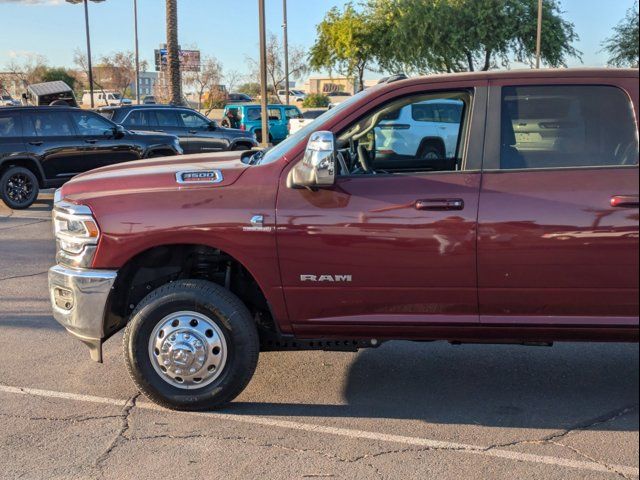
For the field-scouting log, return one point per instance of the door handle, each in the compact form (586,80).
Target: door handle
(625,201)
(193,131)
(90,141)
(439,204)
(36,143)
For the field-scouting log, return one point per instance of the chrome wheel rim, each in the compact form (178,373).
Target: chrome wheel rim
(187,350)
(19,188)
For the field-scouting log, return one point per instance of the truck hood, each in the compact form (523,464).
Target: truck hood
(153,174)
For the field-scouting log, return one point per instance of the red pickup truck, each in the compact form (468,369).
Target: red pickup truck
(521,226)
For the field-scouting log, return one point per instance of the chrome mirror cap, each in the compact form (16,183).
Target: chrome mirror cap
(317,168)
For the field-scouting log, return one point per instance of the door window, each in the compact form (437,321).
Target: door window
(417,133)
(90,124)
(138,118)
(193,120)
(275,114)
(167,118)
(10,126)
(566,126)
(48,124)
(292,113)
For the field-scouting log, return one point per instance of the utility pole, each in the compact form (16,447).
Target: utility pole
(135,30)
(264,142)
(286,50)
(539,34)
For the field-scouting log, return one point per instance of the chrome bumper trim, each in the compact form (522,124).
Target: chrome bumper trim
(90,290)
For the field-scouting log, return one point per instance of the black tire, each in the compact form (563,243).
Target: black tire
(219,305)
(19,188)
(431,152)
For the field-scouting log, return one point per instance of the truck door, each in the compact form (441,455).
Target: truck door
(558,217)
(386,248)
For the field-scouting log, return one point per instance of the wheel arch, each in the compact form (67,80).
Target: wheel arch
(432,141)
(26,162)
(158,265)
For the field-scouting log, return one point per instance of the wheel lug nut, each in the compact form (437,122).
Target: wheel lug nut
(166,362)
(192,370)
(178,371)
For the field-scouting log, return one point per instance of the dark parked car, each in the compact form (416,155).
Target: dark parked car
(197,133)
(43,147)
(239,98)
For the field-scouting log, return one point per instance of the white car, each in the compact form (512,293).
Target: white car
(299,123)
(294,95)
(102,98)
(427,129)
(8,101)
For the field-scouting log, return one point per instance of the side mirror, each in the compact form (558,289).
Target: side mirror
(213,126)
(317,167)
(118,131)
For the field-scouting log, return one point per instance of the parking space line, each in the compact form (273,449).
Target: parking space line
(345,432)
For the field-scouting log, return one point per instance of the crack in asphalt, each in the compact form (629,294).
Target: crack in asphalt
(14,277)
(13,227)
(121,436)
(72,419)
(579,427)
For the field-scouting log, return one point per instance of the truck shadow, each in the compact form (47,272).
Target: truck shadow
(564,387)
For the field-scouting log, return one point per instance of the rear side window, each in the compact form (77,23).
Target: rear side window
(10,125)
(48,124)
(137,118)
(566,126)
(167,118)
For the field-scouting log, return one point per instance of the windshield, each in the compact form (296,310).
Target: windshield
(279,150)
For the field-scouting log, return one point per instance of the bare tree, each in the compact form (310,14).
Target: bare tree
(28,69)
(206,81)
(120,69)
(232,79)
(275,64)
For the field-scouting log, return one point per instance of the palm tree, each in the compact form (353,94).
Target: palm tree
(173,58)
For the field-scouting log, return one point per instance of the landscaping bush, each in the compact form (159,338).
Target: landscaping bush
(315,100)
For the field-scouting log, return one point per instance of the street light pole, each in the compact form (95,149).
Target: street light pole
(135,32)
(539,34)
(86,25)
(286,50)
(86,22)
(263,76)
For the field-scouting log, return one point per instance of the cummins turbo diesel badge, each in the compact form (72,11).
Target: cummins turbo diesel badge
(199,176)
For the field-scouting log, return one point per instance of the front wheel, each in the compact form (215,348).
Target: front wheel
(18,188)
(191,345)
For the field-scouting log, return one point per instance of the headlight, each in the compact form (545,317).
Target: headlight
(76,233)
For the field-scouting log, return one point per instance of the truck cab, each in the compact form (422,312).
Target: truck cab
(522,229)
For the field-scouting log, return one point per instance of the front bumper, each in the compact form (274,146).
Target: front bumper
(79,299)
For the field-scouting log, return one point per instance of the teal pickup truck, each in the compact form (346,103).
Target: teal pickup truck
(247,118)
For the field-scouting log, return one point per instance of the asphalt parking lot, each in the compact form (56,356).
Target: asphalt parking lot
(401,411)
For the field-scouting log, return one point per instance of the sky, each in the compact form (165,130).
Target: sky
(226,29)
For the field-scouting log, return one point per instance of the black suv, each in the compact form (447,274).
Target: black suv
(43,147)
(197,133)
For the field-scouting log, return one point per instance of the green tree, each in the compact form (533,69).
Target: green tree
(622,46)
(466,35)
(347,42)
(53,74)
